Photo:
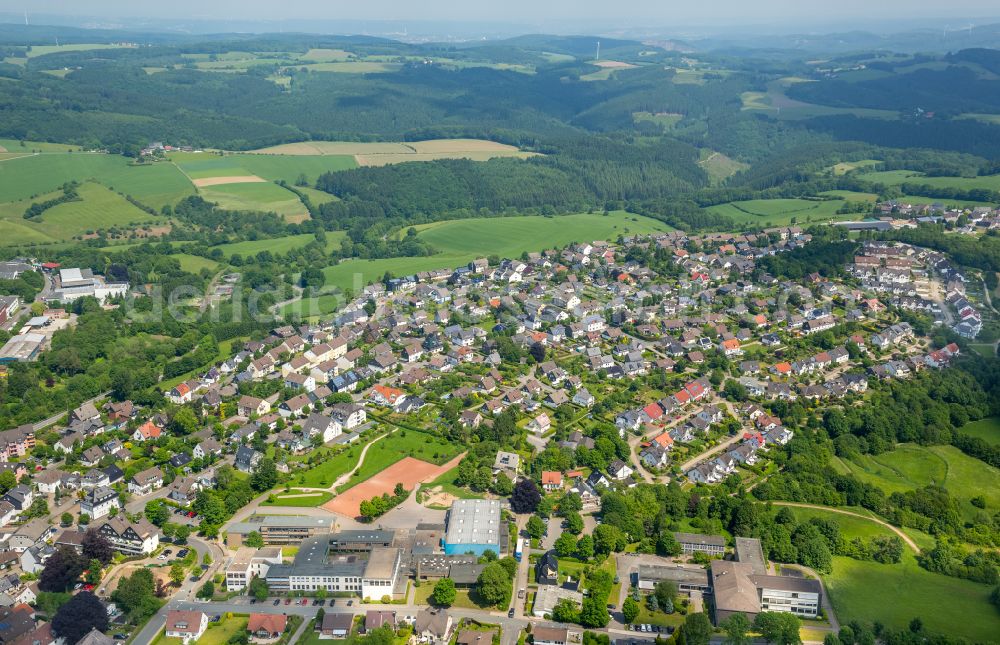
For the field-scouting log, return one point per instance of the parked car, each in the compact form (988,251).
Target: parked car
(288,601)
(510,613)
(277,601)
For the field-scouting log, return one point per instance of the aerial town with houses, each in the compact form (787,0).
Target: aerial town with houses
(561,376)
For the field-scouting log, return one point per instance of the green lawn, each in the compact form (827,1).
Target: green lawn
(195,263)
(446,483)
(648,617)
(324,473)
(986,429)
(217,633)
(779,212)
(303,498)
(422,594)
(388,451)
(859,589)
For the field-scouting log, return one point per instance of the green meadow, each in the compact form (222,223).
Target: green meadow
(152,184)
(859,589)
(896,177)
(97,208)
(910,466)
(259,196)
(460,241)
(986,429)
(272,167)
(781,212)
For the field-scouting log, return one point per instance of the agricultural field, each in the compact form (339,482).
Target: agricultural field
(986,429)
(384,153)
(985,118)
(512,236)
(98,208)
(257,196)
(272,166)
(152,184)
(780,212)
(42,50)
(896,177)
(845,167)
(910,466)
(14,145)
(850,195)
(778,104)
(463,240)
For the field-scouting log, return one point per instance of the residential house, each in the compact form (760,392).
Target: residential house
(130,538)
(146,432)
(247,459)
(99,502)
(146,481)
(552,480)
(432,626)
(186,625)
(265,628)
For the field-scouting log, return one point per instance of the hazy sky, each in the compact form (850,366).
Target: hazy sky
(637,12)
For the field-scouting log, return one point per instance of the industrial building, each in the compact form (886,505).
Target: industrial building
(474,526)
(81,283)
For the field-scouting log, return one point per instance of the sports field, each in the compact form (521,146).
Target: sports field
(399,445)
(781,212)
(986,429)
(408,471)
